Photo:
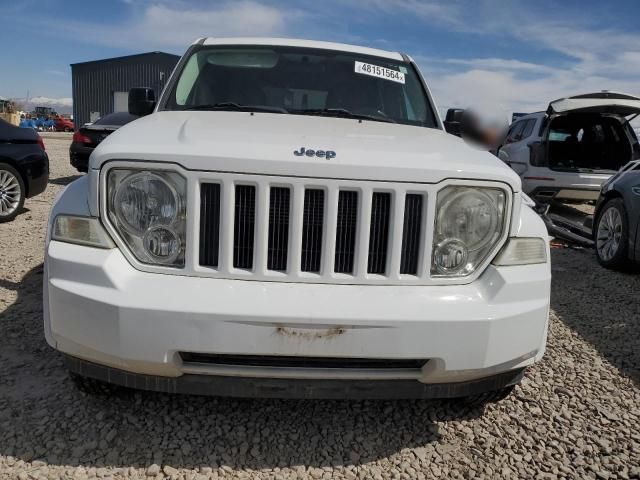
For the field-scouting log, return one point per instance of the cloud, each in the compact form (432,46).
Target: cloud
(559,51)
(176,26)
(501,64)
(431,11)
(51,102)
(594,59)
(512,91)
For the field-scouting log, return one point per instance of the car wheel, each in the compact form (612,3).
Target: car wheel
(12,192)
(67,129)
(612,236)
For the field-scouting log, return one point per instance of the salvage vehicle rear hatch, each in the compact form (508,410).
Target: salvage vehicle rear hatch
(590,133)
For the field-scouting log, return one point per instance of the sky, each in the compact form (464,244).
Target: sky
(516,55)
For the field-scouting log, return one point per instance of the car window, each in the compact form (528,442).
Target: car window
(543,126)
(118,118)
(560,135)
(515,132)
(528,128)
(300,80)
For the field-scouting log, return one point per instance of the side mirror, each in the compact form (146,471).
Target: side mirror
(142,101)
(453,121)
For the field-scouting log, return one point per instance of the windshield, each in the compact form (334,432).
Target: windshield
(118,118)
(301,81)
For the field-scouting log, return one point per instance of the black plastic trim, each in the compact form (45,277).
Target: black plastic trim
(292,388)
(302,362)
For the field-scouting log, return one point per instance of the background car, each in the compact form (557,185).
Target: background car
(90,136)
(24,168)
(616,226)
(62,124)
(568,151)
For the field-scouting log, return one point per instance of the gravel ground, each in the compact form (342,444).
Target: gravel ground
(576,414)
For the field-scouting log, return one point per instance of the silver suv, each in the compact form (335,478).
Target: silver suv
(570,150)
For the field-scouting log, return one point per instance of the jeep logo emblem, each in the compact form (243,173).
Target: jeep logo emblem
(326,154)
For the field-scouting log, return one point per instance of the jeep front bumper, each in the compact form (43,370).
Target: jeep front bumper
(130,327)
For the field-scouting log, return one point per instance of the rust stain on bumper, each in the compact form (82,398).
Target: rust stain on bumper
(311,334)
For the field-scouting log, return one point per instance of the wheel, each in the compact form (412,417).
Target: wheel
(67,129)
(12,192)
(612,236)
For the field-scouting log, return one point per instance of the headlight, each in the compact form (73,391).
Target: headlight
(469,223)
(145,199)
(148,210)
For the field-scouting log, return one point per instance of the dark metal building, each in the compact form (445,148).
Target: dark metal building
(101,86)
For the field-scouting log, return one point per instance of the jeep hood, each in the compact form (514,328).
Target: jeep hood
(263,143)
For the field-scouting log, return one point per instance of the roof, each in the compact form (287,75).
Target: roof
(528,116)
(128,58)
(292,42)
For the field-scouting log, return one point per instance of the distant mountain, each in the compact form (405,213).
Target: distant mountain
(60,105)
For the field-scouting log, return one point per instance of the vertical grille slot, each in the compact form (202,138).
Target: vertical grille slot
(346,228)
(209,224)
(312,224)
(244,226)
(379,232)
(278,228)
(411,234)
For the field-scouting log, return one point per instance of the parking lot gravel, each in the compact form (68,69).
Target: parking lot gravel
(575,415)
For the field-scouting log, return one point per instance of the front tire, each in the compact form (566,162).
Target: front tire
(12,192)
(612,236)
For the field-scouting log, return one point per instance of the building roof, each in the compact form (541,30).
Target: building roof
(128,58)
(292,42)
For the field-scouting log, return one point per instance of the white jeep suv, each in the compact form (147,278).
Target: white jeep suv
(291,219)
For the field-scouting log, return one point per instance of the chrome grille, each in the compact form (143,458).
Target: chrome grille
(312,227)
(411,231)
(278,228)
(346,229)
(244,226)
(209,224)
(307,230)
(339,232)
(379,232)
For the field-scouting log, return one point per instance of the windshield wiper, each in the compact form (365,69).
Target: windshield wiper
(232,106)
(341,112)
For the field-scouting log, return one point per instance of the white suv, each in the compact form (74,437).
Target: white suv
(570,150)
(291,219)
